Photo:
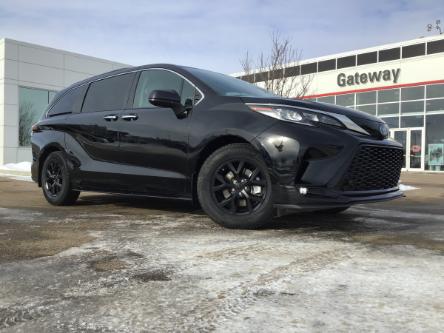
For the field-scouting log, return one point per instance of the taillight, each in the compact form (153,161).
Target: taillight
(35,128)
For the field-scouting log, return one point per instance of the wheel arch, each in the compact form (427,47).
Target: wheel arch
(44,155)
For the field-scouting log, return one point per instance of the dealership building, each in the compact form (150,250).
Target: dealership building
(402,83)
(30,76)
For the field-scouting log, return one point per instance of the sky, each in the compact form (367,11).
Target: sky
(213,34)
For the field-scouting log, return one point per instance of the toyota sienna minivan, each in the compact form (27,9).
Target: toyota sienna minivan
(186,133)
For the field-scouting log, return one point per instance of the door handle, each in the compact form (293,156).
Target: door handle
(111,117)
(129,117)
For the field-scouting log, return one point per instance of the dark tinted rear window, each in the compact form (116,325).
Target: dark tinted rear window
(70,102)
(108,94)
(390,54)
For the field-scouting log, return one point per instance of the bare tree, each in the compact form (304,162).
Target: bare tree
(270,70)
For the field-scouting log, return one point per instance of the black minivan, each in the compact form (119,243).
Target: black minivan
(187,133)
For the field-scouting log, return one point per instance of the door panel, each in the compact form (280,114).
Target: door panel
(415,149)
(154,143)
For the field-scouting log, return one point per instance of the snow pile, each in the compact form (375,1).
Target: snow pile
(21,166)
(403,187)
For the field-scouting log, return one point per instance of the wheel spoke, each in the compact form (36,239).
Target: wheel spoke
(240,167)
(221,187)
(257,182)
(232,168)
(231,198)
(233,207)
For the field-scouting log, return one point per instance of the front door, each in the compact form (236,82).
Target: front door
(412,139)
(153,140)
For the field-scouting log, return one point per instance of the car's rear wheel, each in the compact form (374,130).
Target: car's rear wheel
(234,188)
(56,182)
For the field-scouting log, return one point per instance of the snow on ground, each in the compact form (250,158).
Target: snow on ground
(21,166)
(403,187)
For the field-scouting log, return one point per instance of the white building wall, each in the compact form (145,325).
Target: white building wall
(34,66)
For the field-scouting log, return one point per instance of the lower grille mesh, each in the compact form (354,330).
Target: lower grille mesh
(374,168)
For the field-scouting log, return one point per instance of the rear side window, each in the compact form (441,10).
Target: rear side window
(70,102)
(157,79)
(108,94)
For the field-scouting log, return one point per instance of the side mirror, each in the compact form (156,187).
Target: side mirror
(167,99)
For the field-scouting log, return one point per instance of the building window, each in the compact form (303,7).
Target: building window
(392,122)
(413,106)
(435,105)
(435,47)
(326,65)
(412,121)
(390,54)
(413,50)
(366,97)
(435,91)
(32,104)
(367,58)
(346,100)
(388,108)
(369,108)
(327,99)
(292,71)
(408,94)
(309,68)
(434,159)
(391,95)
(349,61)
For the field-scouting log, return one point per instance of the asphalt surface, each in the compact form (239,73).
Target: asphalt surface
(119,264)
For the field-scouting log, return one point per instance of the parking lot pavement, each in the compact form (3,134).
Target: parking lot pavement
(119,264)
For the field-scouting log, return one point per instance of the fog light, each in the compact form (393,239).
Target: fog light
(303,190)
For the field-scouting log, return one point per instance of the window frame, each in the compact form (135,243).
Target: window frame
(136,83)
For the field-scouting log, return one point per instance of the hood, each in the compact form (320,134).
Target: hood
(373,125)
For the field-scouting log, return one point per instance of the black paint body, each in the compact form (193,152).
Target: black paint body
(160,154)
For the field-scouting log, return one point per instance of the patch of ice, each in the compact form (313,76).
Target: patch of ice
(21,166)
(403,187)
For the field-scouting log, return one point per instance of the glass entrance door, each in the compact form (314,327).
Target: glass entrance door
(412,139)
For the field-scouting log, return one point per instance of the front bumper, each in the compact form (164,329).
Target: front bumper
(290,197)
(337,168)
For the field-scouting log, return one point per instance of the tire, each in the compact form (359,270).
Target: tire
(56,181)
(336,210)
(234,188)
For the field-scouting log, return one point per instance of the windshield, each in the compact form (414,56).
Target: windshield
(228,86)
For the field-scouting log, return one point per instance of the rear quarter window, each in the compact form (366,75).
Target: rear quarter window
(70,102)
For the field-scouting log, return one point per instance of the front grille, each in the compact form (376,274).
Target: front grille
(374,168)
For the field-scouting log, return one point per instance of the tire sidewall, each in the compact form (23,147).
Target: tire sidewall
(259,217)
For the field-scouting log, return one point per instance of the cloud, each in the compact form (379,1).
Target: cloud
(212,34)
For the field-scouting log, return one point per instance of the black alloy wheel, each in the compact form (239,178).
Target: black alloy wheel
(54,178)
(239,187)
(234,187)
(56,182)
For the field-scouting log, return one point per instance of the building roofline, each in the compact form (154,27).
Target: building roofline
(48,48)
(423,39)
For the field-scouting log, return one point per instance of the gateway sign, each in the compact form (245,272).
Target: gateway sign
(392,75)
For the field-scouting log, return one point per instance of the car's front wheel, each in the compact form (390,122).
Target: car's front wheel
(234,187)
(56,182)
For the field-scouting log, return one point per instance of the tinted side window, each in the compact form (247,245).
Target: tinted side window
(108,94)
(70,102)
(158,79)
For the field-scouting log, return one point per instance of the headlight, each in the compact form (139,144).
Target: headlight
(296,115)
